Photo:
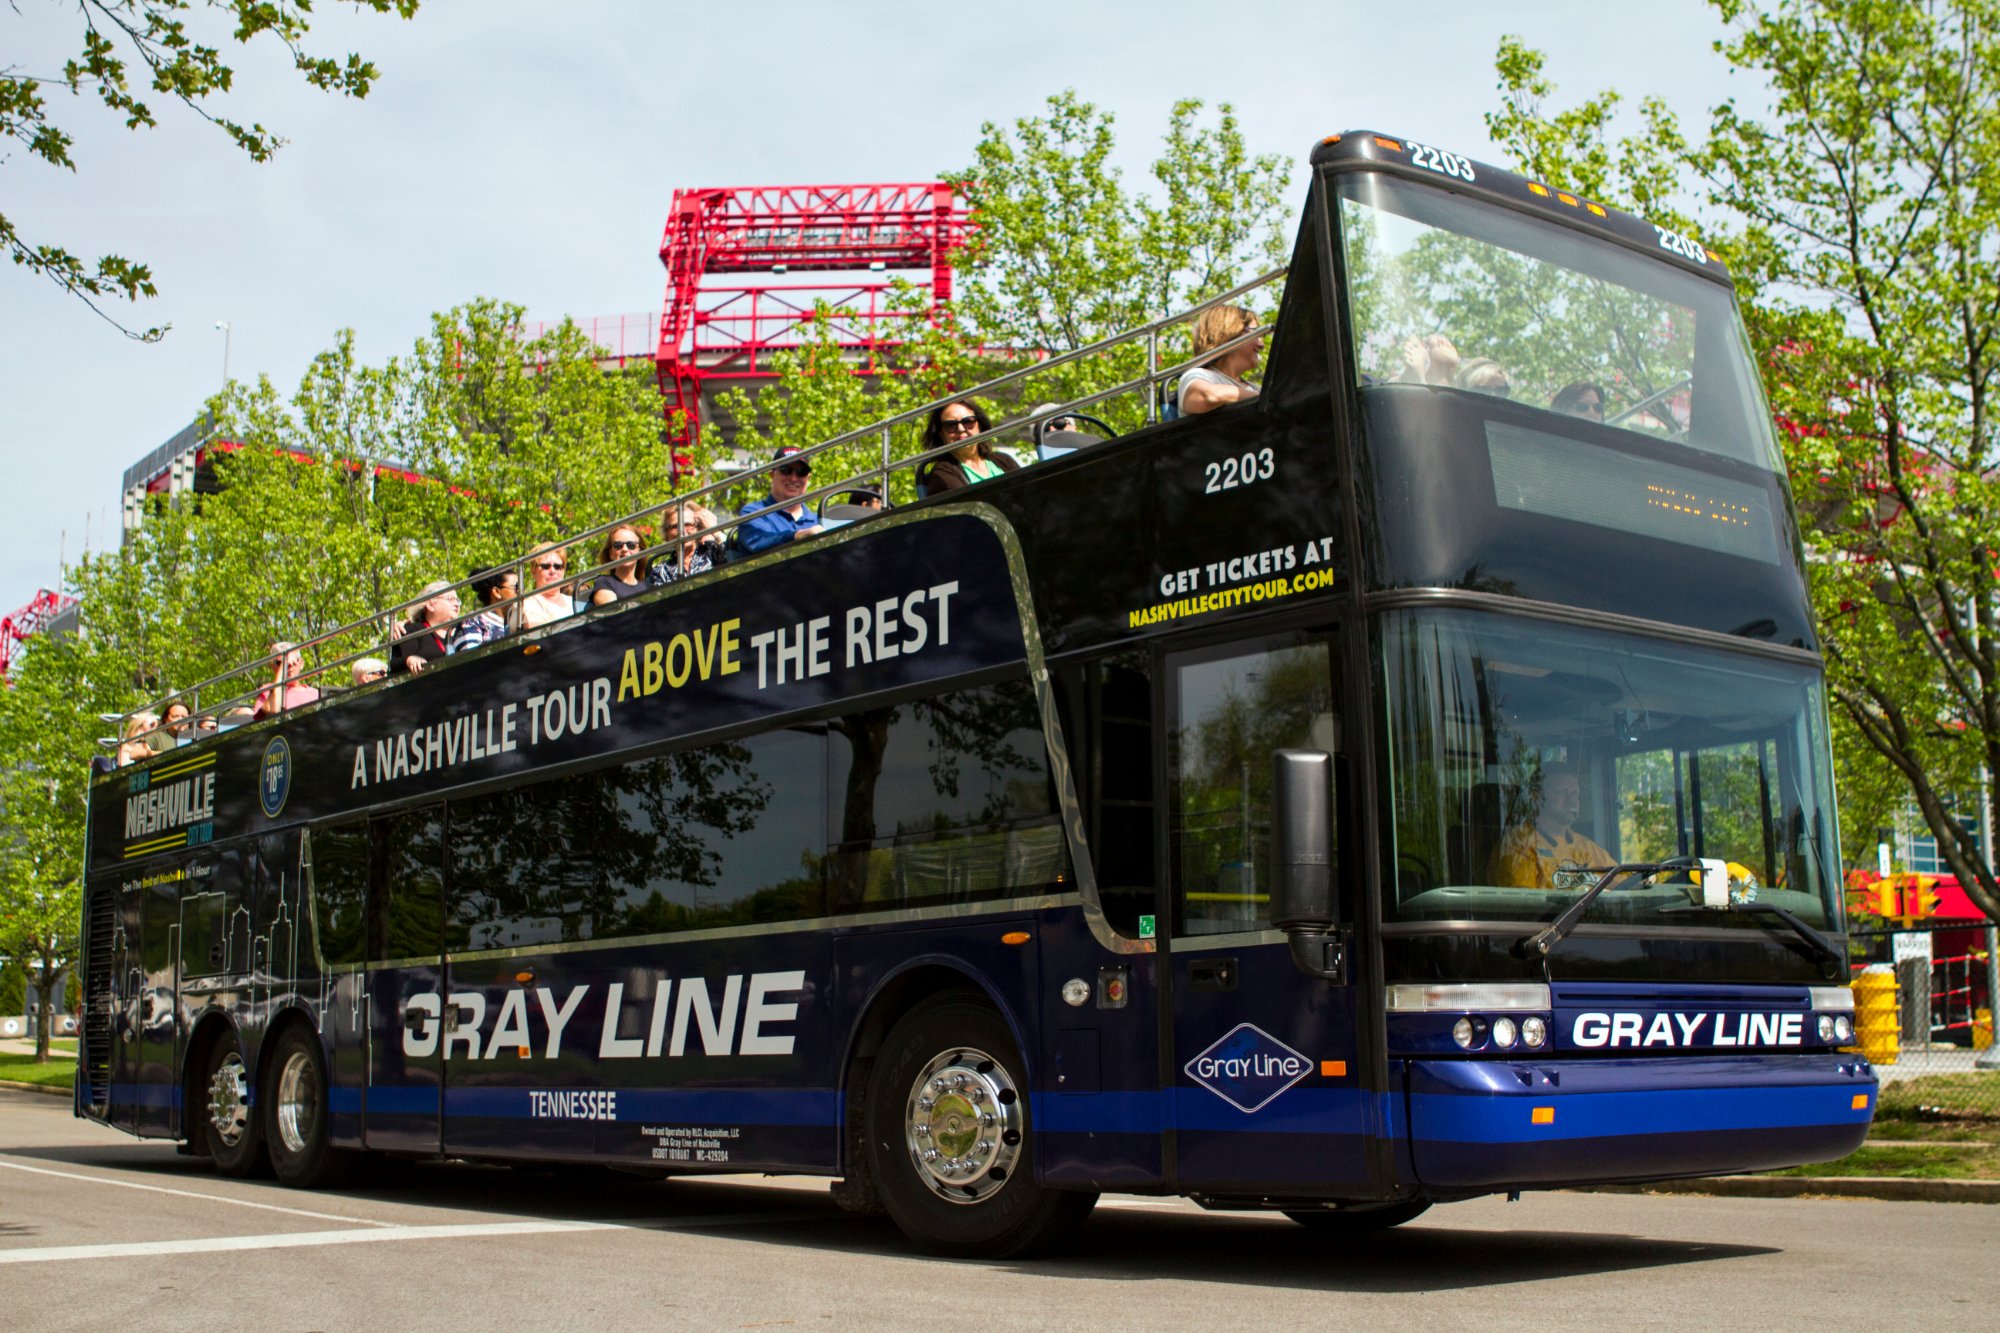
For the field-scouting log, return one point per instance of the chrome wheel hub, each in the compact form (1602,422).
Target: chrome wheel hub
(963,1125)
(298,1102)
(229,1100)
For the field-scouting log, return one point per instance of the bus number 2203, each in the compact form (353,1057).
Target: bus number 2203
(1230,473)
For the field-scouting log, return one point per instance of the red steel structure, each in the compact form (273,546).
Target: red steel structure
(16,629)
(867,234)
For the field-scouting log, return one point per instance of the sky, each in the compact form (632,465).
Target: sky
(529,151)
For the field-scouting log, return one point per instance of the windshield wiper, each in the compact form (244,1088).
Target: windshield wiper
(1832,960)
(1548,938)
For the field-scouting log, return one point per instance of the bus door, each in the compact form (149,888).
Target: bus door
(408,1015)
(1264,1073)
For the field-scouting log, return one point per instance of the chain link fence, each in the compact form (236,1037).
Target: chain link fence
(1924,1001)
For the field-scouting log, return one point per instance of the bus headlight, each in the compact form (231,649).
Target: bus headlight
(1465,1033)
(1503,1032)
(1534,1032)
(1826,1027)
(1843,1029)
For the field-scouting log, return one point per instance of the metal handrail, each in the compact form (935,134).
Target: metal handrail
(1149,379)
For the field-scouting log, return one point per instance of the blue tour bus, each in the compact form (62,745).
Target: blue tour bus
(1409,785)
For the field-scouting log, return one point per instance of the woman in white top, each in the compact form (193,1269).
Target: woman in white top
(551,600)
(1219,381)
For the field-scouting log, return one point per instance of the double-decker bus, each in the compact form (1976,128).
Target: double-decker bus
(1409,785)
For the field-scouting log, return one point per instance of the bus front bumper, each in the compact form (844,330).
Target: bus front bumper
(1482,1125)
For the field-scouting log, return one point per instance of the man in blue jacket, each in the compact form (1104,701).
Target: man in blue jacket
(780,516)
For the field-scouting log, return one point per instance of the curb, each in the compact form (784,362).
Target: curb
(1896,1189)
(42,1088)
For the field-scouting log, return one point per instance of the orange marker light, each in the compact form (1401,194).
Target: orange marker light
(525,977)
(1389,144)
(532,649)
(1542,1115)
(1569,199)
(1541,190)
(523,1050)
(1331,138)
(1598,209)
(1860,1101)
(1333,1069)
(1015,937)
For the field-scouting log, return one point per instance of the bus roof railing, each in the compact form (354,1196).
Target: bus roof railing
(382,625)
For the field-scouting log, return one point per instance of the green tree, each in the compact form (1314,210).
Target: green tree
(1861,218)
(48,730)
(176,50)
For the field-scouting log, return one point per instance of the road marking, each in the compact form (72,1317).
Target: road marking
(290,1240)
(195,1194)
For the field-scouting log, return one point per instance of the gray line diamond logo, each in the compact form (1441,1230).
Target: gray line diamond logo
(1248,1067)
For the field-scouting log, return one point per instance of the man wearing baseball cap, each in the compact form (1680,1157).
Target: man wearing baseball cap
(780,516)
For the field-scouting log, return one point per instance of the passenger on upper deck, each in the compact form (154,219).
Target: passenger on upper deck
(173,724)
(494,589)
(419,642)
(695,554)
(1219,381)
(1581,399)
(974,459)
(1482,374)
(780,516)
(1431,360)
(283,693)
(368,670)
(865,497)
(551,600)
(627,575)
(133,748)
(1534,852)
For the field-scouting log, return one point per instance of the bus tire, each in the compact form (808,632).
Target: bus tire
(296,1115)
(1355,1221)
(949,1138)
(229,1120)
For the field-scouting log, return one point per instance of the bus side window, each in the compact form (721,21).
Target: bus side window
(1229,714)
(337,875)
(1106,709)
(406,885)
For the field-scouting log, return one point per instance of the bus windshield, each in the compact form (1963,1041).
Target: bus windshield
(1469,298)
(1525,756)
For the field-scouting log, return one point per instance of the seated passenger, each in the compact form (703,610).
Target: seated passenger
(132,747)
(971,459)
(864,497)
(1581,399)
(1483,374)
(173,727)
(368,670)
(627,575)
(283,693)
(695,553)
(1531,854)
(422,639)
(1429,360)
(780,516)
(551,600)
(1219,381)
(495,590)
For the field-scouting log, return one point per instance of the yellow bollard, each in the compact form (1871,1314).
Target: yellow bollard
(1982,1029)
(1875,1026)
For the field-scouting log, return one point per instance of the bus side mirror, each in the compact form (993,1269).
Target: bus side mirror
(1302,890)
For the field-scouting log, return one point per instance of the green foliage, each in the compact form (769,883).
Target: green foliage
(1862,221)
(56,1073)
(13,987)
(125,41)
(367,483)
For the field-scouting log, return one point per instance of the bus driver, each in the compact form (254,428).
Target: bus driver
(1533,853)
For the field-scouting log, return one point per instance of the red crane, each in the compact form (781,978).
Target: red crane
(865,234)
(16,629)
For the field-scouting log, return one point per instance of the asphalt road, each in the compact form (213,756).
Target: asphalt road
(101,1231)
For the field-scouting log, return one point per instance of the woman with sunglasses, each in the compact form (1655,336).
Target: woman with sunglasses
(694,553)
(960,424)
(627,577)
(551,600)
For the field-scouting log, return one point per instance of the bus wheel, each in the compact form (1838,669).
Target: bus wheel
(235,1138)
(1355,1220)
(295,1105)
(948,1138)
